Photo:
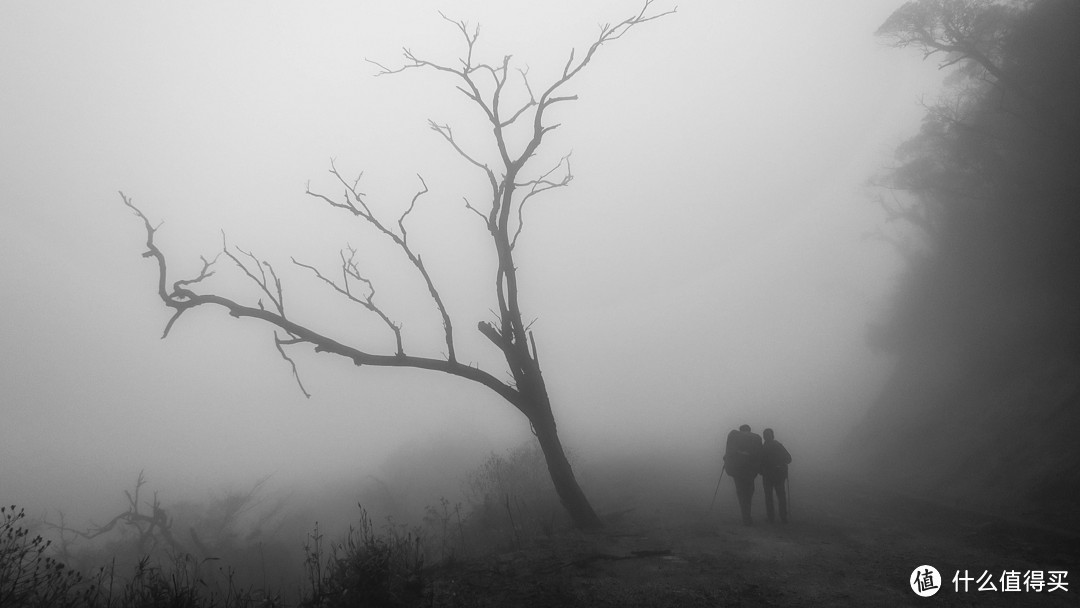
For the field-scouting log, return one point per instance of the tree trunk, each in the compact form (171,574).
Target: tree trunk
(562,476)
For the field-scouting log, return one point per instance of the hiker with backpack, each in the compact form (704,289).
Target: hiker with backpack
(774,472)
(742,461)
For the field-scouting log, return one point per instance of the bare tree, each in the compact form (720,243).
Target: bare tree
(148,527)
(486,86)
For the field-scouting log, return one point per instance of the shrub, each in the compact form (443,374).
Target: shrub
(368,568)
(29,577)
(511,494)
(445,530)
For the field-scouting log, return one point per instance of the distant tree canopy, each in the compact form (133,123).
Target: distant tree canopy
(991,184)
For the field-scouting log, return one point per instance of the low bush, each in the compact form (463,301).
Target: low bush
(511,496)
(367,568)
(30,577)
(214,556)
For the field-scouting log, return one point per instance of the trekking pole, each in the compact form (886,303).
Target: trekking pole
(787,482)
(717,490)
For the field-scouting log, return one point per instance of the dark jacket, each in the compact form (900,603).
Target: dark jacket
(742,458)
(774,460)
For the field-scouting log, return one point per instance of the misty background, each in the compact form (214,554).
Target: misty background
(709,265)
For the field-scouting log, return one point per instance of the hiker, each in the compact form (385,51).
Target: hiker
(774,464)
(742,461)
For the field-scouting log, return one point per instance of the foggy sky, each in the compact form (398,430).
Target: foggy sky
(706,268)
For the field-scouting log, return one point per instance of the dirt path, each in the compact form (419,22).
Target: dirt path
(846,546)
(849,545)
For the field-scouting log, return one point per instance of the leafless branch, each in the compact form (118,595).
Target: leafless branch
(537,186)
(179,287)
(148,527)
(486,85)
(492,108)
(279,343)
(133,501)
(463,26)
(484,218)
(151,249)
(401,220)
(448,134)
(349,270)
(532,100)
(364,212)
(275,296)
(181,291)
(321,343)
(608,33)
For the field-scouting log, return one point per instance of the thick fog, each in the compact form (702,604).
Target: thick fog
(708,266)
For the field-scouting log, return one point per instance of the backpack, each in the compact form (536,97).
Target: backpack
(743,454)
(774,460)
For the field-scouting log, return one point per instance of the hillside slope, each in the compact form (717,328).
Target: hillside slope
(1003,442)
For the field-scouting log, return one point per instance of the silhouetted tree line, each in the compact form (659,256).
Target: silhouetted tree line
(988,192)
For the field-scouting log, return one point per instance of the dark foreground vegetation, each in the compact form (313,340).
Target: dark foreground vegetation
(232,552)
(848,544)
